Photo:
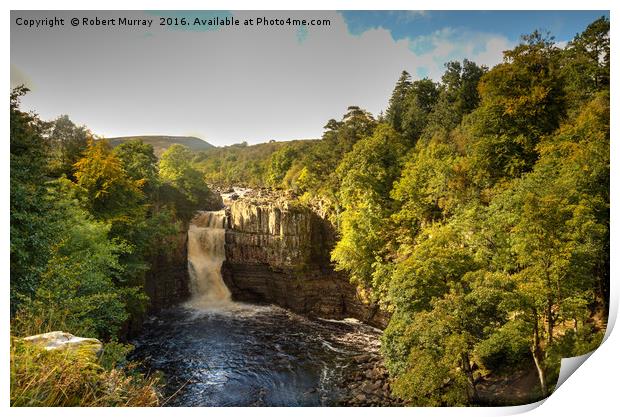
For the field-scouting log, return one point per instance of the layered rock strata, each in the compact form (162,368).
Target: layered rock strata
(278,252)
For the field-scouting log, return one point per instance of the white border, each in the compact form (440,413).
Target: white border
(592,390)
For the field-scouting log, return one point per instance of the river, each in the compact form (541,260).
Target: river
(249,355)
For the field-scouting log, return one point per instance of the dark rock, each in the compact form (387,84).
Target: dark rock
(167,282)
(278,251)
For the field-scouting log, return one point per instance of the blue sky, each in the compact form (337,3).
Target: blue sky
(512,24)
(436,37)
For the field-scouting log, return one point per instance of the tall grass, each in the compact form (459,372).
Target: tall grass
(75,377)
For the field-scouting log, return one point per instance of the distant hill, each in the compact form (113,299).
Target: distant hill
(161,143)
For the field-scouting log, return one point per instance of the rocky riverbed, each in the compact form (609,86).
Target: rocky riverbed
(369,384)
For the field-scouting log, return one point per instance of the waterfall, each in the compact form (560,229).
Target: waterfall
(205,255)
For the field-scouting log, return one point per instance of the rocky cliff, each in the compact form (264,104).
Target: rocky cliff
(278,252)
(167,281)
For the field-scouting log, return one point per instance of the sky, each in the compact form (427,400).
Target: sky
(228,84)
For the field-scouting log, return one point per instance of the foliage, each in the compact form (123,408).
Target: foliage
(32,224)
(85,219)
(184,184)
(489,239)
(585,62)
(244,166)
(79,288)
(366,176)
(69,378)
(67,144)
(111,194)
(140,163)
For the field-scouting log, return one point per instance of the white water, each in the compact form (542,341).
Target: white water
(205,255)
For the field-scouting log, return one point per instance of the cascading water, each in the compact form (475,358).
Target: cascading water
(205,255)
(221,353)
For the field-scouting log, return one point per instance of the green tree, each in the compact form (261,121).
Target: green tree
(457,96)
(397,104)
(559,230)
(32,223)
(80,288)
(68,144)
(522,100)
(366,177)
(138,160)
(586,62)
(420,100)
(319,162)
(279,164)
(184,185)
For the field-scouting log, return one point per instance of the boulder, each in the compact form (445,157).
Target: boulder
(65,341)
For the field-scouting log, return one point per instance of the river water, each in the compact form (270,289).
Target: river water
(215,352)
(248,355)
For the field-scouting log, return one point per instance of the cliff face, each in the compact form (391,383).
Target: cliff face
(277,252)
(167,281)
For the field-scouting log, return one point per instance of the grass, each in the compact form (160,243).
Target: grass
(67,378)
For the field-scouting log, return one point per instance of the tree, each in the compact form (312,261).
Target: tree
(419,101)
(111,194)
(80,288)
(366,176)
(140,163)
(184,186)
(457,96)
(396,107)
(586,62)
(560,229)
(445,306)
(522,100)
(279,164)
(319,163)
(68,143)
(32,223)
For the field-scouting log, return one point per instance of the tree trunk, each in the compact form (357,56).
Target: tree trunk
(538,357)
(470,377)
(550,323)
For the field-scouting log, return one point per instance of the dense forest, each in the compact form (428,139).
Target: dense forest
(474,209)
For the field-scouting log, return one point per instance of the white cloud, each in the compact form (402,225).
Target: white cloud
(449,44)
(230,84)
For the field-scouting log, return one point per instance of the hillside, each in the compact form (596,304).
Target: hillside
(161,143)
(249,165)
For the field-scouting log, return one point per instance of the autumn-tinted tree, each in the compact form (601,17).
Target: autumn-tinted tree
(111,194)
(366,175)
